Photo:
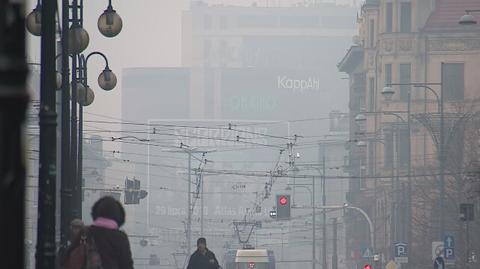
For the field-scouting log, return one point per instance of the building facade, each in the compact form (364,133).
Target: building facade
(395,144)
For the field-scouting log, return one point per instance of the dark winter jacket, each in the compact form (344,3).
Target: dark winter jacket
(201,261)
(113,247)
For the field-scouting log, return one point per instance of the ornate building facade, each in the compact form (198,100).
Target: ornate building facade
(395,142)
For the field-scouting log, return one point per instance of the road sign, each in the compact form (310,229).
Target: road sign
(367,253)
(437,249)
(401,252)
(391,265)
(449,248)
(449,241)
(449,254)
(439,263)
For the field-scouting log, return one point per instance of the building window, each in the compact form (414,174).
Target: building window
(223,22)
(300,21)
(389,17)
(403,138)
(405,17)
(388,74)
(371,157)
(207,51)
(405,77)
(454,81)
(207,22)
(371,39)
(256,21)
(371,95)
(388,148)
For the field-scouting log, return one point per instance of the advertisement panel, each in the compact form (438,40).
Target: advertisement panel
(229,158)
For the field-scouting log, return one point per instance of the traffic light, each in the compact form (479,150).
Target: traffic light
(283,207)
(466,212)
(367,266)
(133,193)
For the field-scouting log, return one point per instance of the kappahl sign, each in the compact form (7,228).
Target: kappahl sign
(298,84)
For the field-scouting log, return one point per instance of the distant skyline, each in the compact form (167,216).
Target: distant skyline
(151,37)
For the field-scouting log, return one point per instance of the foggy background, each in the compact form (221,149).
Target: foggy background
(154,81)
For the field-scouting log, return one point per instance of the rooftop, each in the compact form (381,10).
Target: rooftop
(448,12)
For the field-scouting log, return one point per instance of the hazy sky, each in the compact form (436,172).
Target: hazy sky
(151,36)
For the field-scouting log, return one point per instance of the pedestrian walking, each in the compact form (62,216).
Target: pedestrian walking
(102,245)
(203,258)
(76,226)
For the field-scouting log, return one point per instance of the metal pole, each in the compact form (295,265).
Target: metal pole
(395,188)
(83,79)
(75,206)
(324,203)
(370,224)
(468,243)
(335,255)
(314,226)
(66,191)
(13,105)
(408,219)
(45,256)
(201,205)
(442,159)
(189,201)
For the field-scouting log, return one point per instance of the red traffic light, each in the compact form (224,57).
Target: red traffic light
(283,200)
(367,266)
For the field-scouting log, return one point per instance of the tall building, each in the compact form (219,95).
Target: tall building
(396,165)
(269,73)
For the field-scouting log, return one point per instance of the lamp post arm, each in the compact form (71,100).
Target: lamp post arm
(392,113)
(472,11)
(370,223)
(425,86)
(437,97)
(98,53)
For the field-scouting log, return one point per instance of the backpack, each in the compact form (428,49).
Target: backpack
(85,255)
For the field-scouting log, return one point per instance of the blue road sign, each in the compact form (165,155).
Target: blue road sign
(449,241)
(449,254)
(439,263)
(449,247)
(401,249)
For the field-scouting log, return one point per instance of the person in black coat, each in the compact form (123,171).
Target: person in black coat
(203,258)
(112,244)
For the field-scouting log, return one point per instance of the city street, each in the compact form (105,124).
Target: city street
(240,134)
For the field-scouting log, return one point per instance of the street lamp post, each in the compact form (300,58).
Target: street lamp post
(74,39)
(468,18)
(107,81)
(362,212)
(312,202)
(395,164)
(388,93)
(45,257)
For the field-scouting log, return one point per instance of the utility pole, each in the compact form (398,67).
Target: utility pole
(76,205)
(66,183)
(45,256)
(189,205)
(201,204)
(314,226)
(185,149)
(324,203)
(442,158)
(334,244)
(13,105)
